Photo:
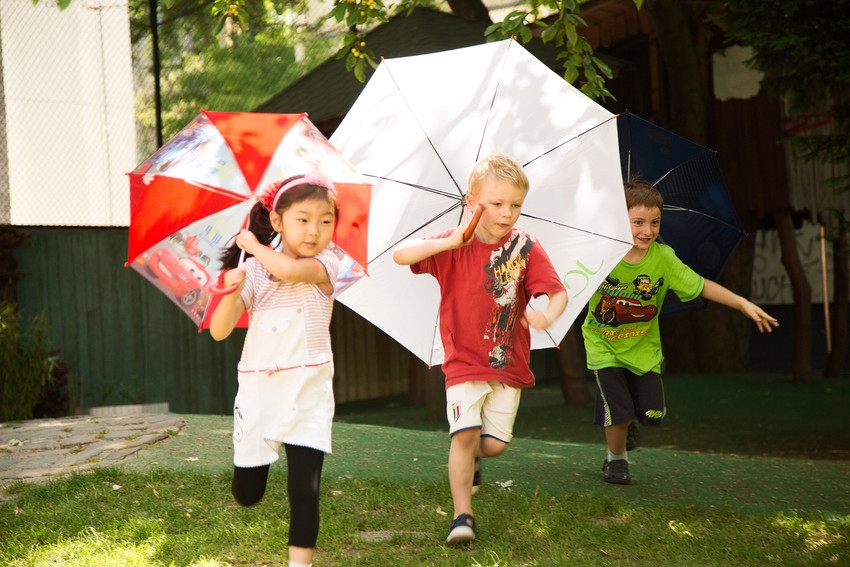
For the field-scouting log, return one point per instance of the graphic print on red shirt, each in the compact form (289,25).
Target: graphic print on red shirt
(504,274)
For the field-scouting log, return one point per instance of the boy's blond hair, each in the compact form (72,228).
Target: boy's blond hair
(499,166)
(640,192)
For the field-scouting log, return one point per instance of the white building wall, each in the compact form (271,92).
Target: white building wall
(70,130)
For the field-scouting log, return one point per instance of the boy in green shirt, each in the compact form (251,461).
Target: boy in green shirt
(621,333)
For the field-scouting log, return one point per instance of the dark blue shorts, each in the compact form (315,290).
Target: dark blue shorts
(622,396)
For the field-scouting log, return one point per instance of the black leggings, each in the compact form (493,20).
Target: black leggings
(304,475)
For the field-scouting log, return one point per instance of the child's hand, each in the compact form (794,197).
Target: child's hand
(247,241)
(234,277)
(455,239)
(763,321)
(536,319)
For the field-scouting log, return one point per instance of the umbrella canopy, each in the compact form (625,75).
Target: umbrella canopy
(191,197)
(699,220)
(415,132)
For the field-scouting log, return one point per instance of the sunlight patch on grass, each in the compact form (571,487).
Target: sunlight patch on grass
(104,550)
(93,548)
(814,533)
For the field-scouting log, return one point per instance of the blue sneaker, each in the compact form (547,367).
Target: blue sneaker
(462,530)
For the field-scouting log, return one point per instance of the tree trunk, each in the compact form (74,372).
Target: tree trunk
(801,365)
(683,49)
(472,10)
(571,368)
(841,291)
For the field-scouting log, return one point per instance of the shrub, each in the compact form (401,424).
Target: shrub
(26,366)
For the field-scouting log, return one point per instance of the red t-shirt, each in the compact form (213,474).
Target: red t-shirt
(484,290)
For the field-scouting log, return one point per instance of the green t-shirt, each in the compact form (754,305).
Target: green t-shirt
(621,328)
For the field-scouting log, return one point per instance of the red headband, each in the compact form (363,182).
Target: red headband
(273,191)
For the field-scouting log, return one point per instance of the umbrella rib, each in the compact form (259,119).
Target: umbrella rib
(493,101)
(413,185)
(418,123)
(211,188)
(420,227)
(702,214)
(584,230)
(565,142)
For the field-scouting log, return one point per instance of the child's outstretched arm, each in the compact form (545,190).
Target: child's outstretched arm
(283,267)
(230,308)
(542,320)
(415,250)
(713,291)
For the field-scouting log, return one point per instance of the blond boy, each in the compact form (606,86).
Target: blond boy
(486,283)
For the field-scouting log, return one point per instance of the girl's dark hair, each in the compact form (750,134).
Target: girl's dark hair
(261,225)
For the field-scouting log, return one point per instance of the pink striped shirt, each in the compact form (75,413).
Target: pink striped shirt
(262,292)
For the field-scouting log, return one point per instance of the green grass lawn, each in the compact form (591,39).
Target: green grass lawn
(746,470)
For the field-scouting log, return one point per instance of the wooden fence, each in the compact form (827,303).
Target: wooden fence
(126,343)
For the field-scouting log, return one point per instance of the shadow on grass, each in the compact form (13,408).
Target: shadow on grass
(756,415)
(737,442)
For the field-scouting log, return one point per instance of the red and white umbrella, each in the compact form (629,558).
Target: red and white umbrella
(191,197)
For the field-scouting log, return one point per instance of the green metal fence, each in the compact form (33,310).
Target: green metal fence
(126,343)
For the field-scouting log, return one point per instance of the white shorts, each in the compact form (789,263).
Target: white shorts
(490,406)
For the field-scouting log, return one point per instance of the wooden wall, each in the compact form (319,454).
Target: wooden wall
(126,343)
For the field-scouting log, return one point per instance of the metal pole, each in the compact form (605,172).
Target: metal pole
(157,92)
(825,290)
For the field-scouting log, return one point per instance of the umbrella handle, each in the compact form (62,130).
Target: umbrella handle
(470,228)
(217,288)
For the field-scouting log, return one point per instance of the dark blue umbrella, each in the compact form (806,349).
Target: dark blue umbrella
(698,221)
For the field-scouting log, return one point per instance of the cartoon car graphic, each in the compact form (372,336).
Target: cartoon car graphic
(184,277)
(615,311)
(645,288)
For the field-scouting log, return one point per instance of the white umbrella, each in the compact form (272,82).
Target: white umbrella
(415,132)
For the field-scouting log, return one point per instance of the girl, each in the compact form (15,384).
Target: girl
(285,394)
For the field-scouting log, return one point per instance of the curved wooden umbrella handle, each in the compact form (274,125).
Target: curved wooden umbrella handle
(218,287)
(473,222)
(215,290)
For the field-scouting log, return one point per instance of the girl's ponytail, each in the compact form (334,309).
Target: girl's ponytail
(261,225)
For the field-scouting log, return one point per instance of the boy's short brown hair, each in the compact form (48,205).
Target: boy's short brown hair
(499,166)
(640,192)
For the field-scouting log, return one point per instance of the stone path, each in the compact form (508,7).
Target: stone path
(38,449)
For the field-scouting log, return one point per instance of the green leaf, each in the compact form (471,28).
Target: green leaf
(572,35)
(338,12)
(360,71)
